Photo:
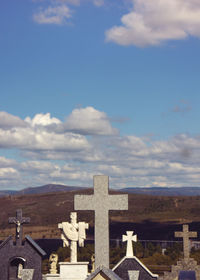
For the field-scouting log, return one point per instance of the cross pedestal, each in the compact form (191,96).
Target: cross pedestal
(101,202)
(186,234)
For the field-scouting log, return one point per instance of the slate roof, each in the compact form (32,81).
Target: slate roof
(108,272)
(35,245)
(5,241)
(131,264)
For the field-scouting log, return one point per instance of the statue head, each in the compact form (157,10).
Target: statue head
(73,216)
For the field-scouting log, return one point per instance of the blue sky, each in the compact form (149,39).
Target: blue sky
(99,87)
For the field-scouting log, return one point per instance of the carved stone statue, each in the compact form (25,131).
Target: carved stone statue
(72,233)
(93,262)
(53,260)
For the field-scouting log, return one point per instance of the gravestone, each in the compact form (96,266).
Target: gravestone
(186,234)
(184,266)
(72,233)
(101,202)
(18,255)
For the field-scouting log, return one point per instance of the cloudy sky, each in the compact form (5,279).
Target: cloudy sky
(93,87)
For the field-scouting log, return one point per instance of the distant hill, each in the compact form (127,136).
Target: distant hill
(160,191)
(182,191)
(48,188)
(149,215)
(42,189)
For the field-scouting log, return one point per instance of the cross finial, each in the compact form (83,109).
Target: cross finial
(129,238)
(19,221)
(186,234)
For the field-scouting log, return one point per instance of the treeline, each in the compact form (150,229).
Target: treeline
(151,255)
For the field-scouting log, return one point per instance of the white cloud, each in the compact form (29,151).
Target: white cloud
(59,14)
(50,150)
(8,121)
(151,22)
(8,172)
(42,119)
(28,139)
(89,121)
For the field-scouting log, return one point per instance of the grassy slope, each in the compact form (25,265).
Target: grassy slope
(47,210)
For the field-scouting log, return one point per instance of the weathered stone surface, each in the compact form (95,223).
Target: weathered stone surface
(186,265)
(133,274)
(27,274)
(186,234)
(101,202)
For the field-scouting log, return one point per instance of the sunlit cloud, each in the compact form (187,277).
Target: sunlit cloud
(153,22)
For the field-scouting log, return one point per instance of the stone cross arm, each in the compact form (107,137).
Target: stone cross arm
(112,202)
(190,234)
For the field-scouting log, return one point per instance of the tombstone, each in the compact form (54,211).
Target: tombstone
(101,202)
(183,268)
(18,255)
(186,234)
(71,234)
(130,267)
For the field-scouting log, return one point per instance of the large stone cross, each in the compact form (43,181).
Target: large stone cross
(186,234)
(19,221)
(101,202)
(129,238)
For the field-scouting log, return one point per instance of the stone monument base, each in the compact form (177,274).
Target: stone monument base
(51,277)
(182,265)
(73,271)
(70,271)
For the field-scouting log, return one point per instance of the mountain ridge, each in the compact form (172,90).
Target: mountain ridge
(161,191)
